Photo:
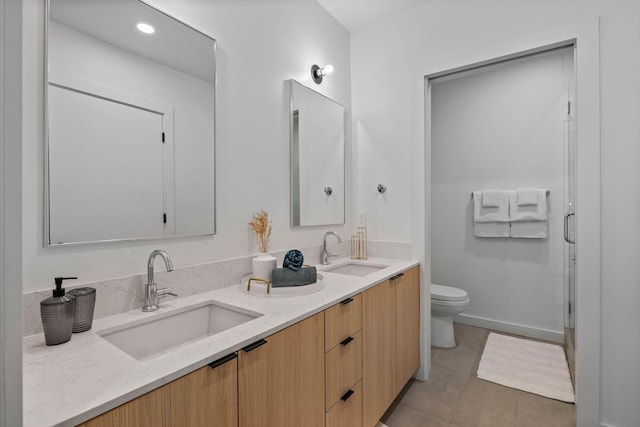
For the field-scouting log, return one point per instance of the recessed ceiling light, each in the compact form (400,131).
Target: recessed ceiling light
(145,28)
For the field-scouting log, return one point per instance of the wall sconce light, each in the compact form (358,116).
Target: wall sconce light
(318,73)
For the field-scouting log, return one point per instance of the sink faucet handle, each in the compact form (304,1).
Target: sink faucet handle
(161,293)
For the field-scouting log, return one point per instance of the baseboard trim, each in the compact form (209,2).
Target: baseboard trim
(512,328)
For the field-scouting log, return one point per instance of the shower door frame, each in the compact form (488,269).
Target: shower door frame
(584,36)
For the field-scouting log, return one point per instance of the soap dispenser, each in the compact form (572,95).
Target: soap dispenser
(58,312)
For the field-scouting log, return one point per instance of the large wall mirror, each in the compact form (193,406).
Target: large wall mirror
(317,129)
(130,124)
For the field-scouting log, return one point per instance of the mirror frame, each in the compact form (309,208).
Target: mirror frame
(46,188)
(294,162)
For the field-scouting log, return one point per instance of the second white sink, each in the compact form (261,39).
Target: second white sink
(163,333)
(355,269)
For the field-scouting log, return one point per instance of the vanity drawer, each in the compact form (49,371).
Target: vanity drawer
(343,368)
(342,320)
(347,413)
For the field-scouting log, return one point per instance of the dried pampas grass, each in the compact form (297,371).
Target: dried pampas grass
(261,227)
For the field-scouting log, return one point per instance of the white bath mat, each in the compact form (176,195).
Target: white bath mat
(527,365)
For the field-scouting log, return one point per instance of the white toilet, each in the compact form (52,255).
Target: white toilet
(446,302)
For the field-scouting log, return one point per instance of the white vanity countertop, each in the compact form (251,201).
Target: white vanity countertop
(71,383)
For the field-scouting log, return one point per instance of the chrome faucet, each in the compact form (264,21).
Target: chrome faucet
(325,252)
(151,291)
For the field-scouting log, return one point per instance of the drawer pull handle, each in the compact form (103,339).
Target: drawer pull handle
(346,301)
(397,276)
(346,341)
(253,346)
(222,360)
(346,396)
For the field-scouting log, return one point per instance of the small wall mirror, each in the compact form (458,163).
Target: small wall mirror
(130,124)
(317,129)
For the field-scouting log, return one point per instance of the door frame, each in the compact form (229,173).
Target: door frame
(10,213)
(585,36)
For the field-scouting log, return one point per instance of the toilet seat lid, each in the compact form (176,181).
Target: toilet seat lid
(447,293)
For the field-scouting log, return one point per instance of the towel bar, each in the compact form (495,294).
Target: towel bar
(548,193)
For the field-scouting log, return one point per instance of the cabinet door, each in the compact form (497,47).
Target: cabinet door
(151,409)
(407,291)
(220,394)
(281,382)
(378,351)
(206,397)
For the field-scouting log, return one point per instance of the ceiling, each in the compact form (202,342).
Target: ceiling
(353,14)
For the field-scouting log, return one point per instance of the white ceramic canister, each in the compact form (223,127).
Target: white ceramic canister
(262,265)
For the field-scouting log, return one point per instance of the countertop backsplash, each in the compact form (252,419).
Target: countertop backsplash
(123,294)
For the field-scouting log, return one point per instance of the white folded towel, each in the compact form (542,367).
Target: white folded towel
(530,230)
(491,229)
(492,198)
(490,214)
(527,196)
(537,212)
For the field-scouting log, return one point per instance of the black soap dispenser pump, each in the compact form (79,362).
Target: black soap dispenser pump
(58,312)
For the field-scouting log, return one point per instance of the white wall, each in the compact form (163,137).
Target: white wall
(501,127)
(382,104)
(261,44)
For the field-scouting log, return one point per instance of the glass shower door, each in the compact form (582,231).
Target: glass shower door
(569,236)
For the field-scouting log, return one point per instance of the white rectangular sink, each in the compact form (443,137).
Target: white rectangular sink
(167,332)
(355,269)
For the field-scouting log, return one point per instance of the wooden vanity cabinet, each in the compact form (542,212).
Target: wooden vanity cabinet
(281,378)
(391,341)
(206,397)
(339,368)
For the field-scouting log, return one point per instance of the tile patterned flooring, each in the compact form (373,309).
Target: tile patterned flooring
(455,397)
